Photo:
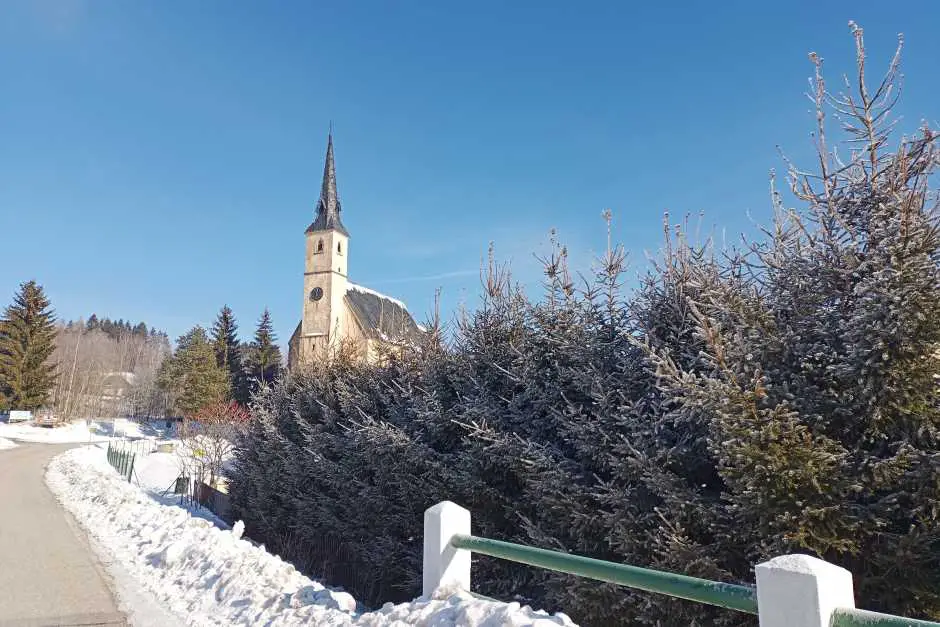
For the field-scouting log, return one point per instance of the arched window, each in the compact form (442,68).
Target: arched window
(320,246)
(339,247)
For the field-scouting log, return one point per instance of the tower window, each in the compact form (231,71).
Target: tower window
(320,246)
(339,247)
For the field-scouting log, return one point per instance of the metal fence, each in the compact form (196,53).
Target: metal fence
(122,461)
(214,500)
(791,590)
(139,447)
(731,596)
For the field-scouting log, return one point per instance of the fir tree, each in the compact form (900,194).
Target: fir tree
(192,374)
(263,357)
(228,353)
(27,339)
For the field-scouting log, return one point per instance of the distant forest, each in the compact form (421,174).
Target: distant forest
(109,367)
(115,329)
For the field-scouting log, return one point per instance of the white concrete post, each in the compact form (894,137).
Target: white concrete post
(443,564)
(801,591)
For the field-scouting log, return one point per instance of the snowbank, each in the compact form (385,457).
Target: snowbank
(4,443)
(207,576)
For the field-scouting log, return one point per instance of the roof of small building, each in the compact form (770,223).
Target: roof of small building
(381,316)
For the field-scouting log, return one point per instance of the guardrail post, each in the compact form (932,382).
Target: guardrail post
(445,565)
(801,591)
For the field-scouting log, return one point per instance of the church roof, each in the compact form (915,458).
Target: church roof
(328,207)
(381,316)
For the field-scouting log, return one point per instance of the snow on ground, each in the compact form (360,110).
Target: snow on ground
(156,475)
(207,576)
(4,443)
(78,431)
(157,472)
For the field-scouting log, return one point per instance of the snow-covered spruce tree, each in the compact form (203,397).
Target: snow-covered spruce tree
(538,419)
(820,385)
(663,503)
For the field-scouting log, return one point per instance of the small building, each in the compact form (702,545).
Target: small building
(116,385)
(337,313)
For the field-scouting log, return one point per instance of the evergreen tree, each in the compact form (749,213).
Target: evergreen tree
(192,374)
(93,323)
(263,357)
(228,353)
(27,339)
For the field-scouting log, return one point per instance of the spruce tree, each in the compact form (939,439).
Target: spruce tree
(263,359)
(27,339)
(192,374)
(819,350)
(228,353)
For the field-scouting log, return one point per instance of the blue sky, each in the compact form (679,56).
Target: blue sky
(160,159)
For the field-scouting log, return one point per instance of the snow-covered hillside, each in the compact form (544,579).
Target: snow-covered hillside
(208,576)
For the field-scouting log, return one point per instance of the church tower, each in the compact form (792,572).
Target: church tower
(325,272)
(338,314)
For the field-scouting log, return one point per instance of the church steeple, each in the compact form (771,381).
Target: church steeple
(328,207)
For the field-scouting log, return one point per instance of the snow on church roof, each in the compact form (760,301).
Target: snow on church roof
(366,290)
(381,315)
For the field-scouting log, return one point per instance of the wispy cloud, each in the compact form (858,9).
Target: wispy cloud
(430,277)
(60,16)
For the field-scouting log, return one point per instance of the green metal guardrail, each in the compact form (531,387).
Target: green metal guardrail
(122,461)
(863,618)
(731,596)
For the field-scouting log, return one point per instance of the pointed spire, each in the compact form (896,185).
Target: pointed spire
(328,207)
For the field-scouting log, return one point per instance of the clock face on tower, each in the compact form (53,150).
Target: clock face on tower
(316,293)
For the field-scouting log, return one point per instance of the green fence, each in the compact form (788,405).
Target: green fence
(122,461)
(731,596)
(795,590)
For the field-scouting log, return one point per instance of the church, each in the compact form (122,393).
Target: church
(336,312)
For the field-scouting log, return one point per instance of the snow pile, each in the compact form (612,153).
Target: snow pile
(4,443)
(208,576)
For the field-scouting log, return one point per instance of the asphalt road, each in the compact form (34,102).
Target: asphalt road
(48,572)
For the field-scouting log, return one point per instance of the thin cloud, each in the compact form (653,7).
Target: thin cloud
(60,17)
(431,277)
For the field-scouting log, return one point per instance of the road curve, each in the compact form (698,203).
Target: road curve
(49,574)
